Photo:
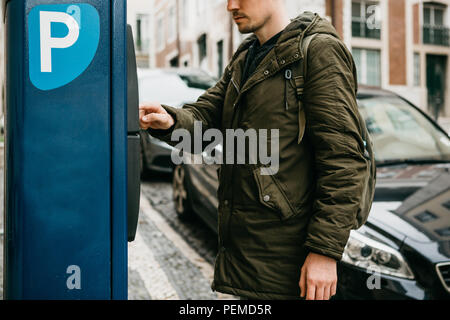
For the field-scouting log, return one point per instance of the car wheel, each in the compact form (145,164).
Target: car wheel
(180,194)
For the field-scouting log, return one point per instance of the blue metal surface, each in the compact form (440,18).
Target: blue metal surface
(13,254)
(65,177)
(119,150)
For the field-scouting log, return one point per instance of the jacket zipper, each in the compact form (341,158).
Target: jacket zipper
(226,230)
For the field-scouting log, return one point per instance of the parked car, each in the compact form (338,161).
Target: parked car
(403,251)
(174,87)
(445,123)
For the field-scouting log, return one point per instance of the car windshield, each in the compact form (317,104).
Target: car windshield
(400,132)
(166,89)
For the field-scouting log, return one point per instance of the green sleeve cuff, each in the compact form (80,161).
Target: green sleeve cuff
(328,252)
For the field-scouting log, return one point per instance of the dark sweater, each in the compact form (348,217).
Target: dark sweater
(256,54)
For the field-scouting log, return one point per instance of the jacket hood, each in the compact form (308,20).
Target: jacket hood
(308,23)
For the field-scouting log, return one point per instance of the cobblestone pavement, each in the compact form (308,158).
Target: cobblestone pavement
(170,259)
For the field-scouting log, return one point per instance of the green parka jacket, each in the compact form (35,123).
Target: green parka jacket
(269,223)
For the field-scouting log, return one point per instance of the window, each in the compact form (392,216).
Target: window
(160,33)
(438,16)
(434,30)
(142,33)
(368,66)
(220,58)
(138,34)
(373,67)
(417,69)
(172,24)
(427,15)
(365,19)
(185,18)
(174,62)
(426,216)
(433,15)
(202,48)
(444,232)
(446,205)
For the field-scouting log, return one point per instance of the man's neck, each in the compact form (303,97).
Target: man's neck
(274,25)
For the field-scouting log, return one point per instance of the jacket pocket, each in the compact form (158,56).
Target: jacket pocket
(272,195)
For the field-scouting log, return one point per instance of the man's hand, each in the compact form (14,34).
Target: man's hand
(153,115)
(318,277)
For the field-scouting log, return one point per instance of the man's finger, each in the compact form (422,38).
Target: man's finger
(302,283)
(144,125)
(156,121)
(320,292)
(149,108)
(327,292)
(310,291)
(333,289)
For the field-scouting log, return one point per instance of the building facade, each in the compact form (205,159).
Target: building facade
(399,45)
(140,16)
(427,53)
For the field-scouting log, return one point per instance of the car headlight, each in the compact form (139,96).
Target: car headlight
(367,253)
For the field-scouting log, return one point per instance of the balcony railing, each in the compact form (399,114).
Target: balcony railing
(436,35)
(360,29)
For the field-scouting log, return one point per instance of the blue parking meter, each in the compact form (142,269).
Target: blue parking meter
(71,149)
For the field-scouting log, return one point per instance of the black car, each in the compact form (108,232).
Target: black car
(403,251)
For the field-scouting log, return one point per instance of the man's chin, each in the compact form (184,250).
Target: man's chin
(245,29)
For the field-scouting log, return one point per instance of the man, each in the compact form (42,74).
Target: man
(281,236)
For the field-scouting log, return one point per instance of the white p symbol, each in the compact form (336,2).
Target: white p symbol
(48,43)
